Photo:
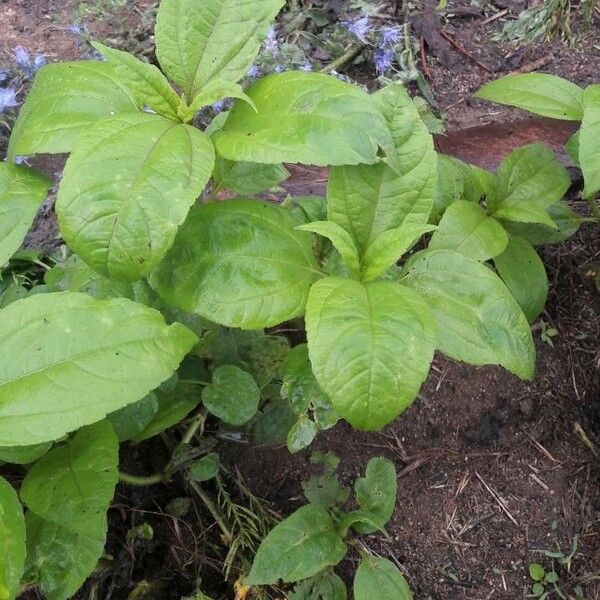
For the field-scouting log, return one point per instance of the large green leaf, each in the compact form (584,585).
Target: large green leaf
(370,346)
(466,228)
(297,548)
(306,118)
(233,395)
(479,321)
(59,560)
(528,181)
(378,577)
(239,263)
(539,93)
(565,220)
(127,187)
(198,41)
(65,100)
(66,360)
(23,455)
(376,493)
(146,82)
(589,140)
(131,420)
(325,586)
(523,272)
(12,545)
(73,484)
(21,193)
(369,199)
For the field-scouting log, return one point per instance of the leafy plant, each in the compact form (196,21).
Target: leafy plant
(311,541)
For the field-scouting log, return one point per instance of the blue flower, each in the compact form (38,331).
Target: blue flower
(278,69)
(8,99)
(383,60)
(253,71)
(391,35)
(359,28)
(219,106)
(76,29)
(28,66)
(306,67)
(21,160)
(271,40)
(39,61)
(21,57)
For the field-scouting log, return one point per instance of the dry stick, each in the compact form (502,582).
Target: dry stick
(464,51)
(496,496)
(495,17)
(424,65)
(535,65)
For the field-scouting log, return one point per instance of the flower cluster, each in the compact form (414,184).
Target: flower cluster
(28,65)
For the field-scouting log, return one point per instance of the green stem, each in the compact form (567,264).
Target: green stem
(141,479)
(197,423)
(194,382)
(212,509)
(342,60)
(594,206)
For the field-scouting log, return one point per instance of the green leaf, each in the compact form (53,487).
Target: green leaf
(126,189)
(23,455)
(59,560)
(523,272)
(325,586)
(536,572)
(12,548)
(131,420)
(247,178)
(378,577)
(370,199)
(174,404)
(299,385)
(589,152)
(479,322)
(297,548)
(204,469)
(307,118)
(239,263)
(74,483)
(551,577)
(376,493)
(233,395)
(572,148)
(466,228)
(528,181)
(66,360)
(64,101)
(214,91)
(325,489)
(370,347)
(539,93)
(302,434)
(341,240)
(273,422)
(389,246)
(148,85)
(22,191)
(199,41)
(565,220)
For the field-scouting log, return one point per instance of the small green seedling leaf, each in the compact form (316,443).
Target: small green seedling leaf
(297,548)
(466,228)
(376,493)
(377,578)
(342,241)
(233,395)
(478,320)
(523,272)
(82,357)
(302,434)
(388,247)
(538,589)
(204,469)
(539,93)
(551,577)
(536,572)
(239,263)
(74,483)
(12,548)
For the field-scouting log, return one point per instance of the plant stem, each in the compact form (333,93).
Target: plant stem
(197,422)
(141,479)
(342,60)
(194,382)
(212,509)
(594,206)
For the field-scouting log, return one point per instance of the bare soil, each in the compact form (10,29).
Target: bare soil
(491,469)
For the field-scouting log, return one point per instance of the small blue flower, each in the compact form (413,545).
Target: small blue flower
(39,61)
(359,28)
(278,69)
(391,35)
(271,40)
(383,60)
(253,71)
(28,66)
(21,160)
(8,99)
(306,67)
(149,110)
(21,57)
(219,106)
(76,29)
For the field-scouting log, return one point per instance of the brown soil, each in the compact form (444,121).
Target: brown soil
(491,469)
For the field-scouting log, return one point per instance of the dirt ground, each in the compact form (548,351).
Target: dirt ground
(492,470)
